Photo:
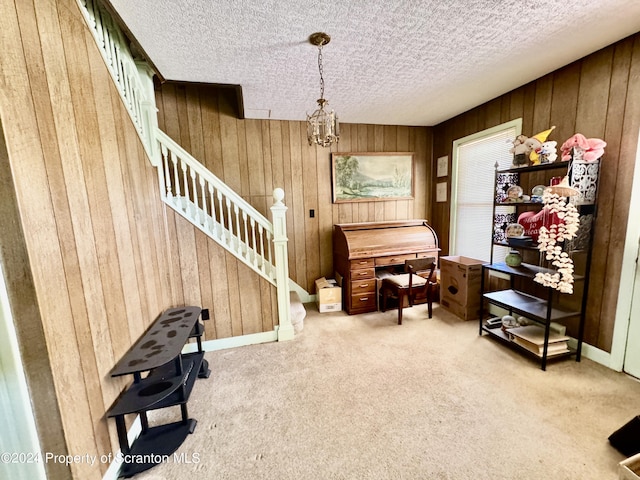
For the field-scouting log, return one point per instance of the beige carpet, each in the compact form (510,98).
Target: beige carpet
(359,397)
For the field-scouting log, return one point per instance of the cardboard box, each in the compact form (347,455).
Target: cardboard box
(629,469)
(460,279)
(328,295)
(465,312)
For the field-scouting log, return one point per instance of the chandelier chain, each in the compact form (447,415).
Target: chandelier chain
(321,72)
(322,125)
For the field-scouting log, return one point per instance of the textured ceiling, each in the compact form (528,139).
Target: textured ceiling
(394,62)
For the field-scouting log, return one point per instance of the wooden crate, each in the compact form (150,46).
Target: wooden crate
(460,279)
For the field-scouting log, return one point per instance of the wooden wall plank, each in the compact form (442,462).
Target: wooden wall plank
(542,105)
(229,135)
(310,182)
(234,294)
(627,168)
(91,306)
(593,97)
(118,207)
(243,161)
(221,311)
(193,111)
(213,137)
(295,202)
(23,141)
(107,316)
(254,156)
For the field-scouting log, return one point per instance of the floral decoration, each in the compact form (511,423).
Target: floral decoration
(551,238)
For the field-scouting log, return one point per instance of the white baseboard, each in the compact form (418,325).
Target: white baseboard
(305,297)
(597,355)
(233,342)
(132,434)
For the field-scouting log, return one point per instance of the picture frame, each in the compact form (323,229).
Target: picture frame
(367,177)
(442,166)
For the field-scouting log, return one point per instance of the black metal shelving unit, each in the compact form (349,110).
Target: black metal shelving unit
(543,309)
(169,382)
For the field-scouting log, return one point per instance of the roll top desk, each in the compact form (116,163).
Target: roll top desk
(362,249)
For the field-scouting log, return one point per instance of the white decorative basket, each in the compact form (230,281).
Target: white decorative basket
(584,178)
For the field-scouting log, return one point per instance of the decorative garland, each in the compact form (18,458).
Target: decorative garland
(549,238)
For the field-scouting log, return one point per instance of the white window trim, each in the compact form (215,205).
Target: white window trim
(517,124)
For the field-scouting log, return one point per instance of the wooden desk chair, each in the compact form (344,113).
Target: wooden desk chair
(415,281)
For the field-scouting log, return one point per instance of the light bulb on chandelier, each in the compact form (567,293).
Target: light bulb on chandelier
(322,126)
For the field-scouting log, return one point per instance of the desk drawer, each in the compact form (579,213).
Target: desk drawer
(363,286)
(363,274)
(366,301)
(361,263)
(394,259)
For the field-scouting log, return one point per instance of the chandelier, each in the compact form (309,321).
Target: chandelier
(322,126)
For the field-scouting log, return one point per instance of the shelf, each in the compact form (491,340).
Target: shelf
(527,305)
(500,335)
(525,270)
(519,204)
(161,388)
(559,165)
(525,247)
(154,446)
(161,343)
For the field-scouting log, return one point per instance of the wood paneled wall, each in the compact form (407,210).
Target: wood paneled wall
(104,254)
(598,96)
(256,156)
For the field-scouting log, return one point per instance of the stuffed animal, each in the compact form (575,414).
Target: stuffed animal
(579,147)
(547,152)
(595,150)
(535,142)
(520,151)
(578,144)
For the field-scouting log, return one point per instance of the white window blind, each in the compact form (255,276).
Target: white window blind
(474,160)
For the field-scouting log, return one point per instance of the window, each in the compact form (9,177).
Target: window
(472,190)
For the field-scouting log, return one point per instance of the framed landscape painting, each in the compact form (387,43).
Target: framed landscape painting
(366,177)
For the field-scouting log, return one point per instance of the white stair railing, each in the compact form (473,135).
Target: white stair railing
(185,184)
(133,78)
(202,198)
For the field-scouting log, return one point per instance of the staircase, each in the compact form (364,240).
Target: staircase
(190,188)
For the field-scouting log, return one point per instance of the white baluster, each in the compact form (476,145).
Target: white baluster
(195,206)
(214,225)
(229,222)
(92,17)
(165,165)
(253,242)
(108,42)
(176,177)
(221,217)
(262,259)
(117,63)
(185,182)
(270,254)
(238,233)
(248,248)
(203,194)
(126,83)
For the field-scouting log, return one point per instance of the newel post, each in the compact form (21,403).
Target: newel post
(149,112)
(278,214)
